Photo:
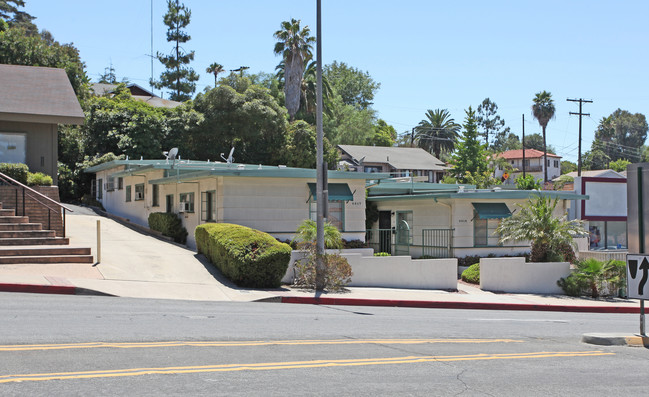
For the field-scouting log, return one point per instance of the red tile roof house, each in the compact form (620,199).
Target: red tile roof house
(33,102)
(533,165)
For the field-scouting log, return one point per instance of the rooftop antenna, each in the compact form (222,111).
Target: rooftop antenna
(230,159)
(171,155)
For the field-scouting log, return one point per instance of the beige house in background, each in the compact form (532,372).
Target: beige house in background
(396,161)
(33,102)
(273,199)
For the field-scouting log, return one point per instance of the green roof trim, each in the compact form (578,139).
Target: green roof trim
(484,194)
(194,169)
(337,191)
(492,210)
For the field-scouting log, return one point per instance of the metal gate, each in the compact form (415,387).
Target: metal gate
(437,243)
(402,240)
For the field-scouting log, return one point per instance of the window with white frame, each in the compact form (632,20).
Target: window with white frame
(110,184)
(336,213)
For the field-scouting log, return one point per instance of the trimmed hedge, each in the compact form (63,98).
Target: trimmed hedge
(39,179)
(472,274)
(248,257)
(168,224)
(17,171)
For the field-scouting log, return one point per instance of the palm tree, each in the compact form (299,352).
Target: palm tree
(437,133)
(535,222)
(543,111)
(215,69)
(294,44)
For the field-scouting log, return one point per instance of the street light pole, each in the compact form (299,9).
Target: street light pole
(321,195)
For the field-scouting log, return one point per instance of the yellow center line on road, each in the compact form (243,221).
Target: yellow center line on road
(289,365)
(94,345)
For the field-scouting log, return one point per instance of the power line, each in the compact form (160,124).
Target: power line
(581,101)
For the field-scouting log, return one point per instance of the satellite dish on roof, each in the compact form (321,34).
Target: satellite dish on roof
(230,159)
(171,155)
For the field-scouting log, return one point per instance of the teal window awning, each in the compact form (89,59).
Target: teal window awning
(492,210)
(337,191)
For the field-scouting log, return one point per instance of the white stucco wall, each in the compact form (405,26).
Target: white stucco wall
(517,276)
(273,205)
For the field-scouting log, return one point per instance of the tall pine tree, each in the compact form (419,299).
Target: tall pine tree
(470,157)
(178,77)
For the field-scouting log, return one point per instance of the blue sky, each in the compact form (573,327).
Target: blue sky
(426,54)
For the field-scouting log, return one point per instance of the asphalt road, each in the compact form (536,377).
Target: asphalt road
(80,345)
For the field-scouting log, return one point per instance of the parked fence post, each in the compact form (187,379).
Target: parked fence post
(98,241)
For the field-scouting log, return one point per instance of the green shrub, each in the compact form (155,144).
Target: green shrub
(383,254)
(168,224)
(595,278)
(354,244)
(248,257)
(338,271)
(472,274)
(468,260)
(307,230)
(18,172)
(39,179)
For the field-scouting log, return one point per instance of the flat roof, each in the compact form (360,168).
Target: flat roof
(194,169)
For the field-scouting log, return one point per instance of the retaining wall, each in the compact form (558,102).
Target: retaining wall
(517,276)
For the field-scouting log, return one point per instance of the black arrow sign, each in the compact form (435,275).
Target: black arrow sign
(645,274)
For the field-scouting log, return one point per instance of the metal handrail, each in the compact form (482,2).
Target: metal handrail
(38,196)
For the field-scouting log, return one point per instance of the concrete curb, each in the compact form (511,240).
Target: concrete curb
(49,289)
(616,340)
(458,305)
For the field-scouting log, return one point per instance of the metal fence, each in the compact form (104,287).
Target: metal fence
(437,243)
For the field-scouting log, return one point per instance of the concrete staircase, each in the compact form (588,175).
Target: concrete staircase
(24,242)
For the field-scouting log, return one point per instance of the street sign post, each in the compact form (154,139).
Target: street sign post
(637,274)
(638,238)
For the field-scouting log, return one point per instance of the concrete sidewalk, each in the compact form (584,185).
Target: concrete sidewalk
(138,265)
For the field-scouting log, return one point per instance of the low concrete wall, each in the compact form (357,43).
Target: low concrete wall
(297,255)
(392,271)
(404,272)
(517,276)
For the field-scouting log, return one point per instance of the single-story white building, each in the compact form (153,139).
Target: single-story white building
(273,199)
(443,220)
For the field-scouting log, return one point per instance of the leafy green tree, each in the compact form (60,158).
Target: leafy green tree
(535,141)
(543,111)
(619,165)
(645,153)
(535,222)
(384,135)
(438,132)
(109,76)
(527,182)
(596,160)
(502,143)
(355,87)
(179,78)
(346,125)
(250,121)
(567,167)
(621,135)
(294,44)
(15,18)
(489,122)
(470,155)
(17,48)
(215,69)
(306,232)
(300,150)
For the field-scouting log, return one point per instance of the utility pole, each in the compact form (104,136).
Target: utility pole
(321,172)
(523,145)
(580,100)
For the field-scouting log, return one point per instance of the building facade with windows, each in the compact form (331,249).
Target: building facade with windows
(267,198)
(533,163)
(443,220)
